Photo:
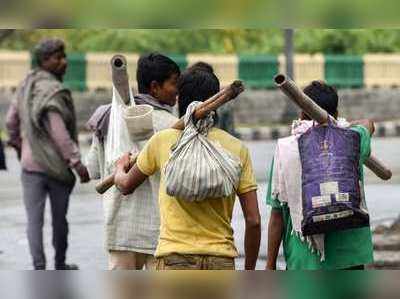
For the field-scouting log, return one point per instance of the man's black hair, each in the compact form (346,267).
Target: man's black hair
(196,85)
(201,65)
(323,95)
(154,67)
(47,47)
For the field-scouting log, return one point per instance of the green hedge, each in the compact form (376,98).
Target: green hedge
(180,60)
(75,77)
(258,71)
(344,71)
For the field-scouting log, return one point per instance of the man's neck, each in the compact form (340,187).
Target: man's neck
(146,98)
(58,77)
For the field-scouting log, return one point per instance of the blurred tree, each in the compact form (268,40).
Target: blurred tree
(181,41)
(4,33)
(290,109)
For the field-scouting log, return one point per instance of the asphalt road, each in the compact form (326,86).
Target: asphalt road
(86,215)
(86,225)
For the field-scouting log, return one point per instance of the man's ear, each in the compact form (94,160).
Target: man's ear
(44,64)
(154,87)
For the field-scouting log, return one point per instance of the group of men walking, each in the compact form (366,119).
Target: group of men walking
(145,226)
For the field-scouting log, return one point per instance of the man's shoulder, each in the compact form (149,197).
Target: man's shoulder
(222,134)
(228,141)
(101,110)
(167,133)
(163,119)
(360,129)
(163,139)
(99,114)
(46,81)
(170,135)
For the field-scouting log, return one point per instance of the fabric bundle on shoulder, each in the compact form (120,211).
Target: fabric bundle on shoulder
(198,168)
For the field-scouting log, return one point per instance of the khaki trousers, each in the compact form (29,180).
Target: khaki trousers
(130,260)
(194,262)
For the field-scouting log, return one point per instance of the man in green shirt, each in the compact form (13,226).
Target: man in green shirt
(345,249)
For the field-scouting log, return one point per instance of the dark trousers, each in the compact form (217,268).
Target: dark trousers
(36,187)
(2,157)
(360,267)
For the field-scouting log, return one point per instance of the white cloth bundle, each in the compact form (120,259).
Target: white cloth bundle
(198,168)
(139,120)
(118,137)
(128,124)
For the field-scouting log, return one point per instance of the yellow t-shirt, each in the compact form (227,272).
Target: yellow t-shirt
(204,227)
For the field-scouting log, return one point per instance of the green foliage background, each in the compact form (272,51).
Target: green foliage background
(243,41)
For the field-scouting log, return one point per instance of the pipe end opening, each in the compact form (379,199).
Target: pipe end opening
(280,79)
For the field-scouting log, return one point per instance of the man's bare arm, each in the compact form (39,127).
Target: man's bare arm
(275,232)
(128,178)
(252,238)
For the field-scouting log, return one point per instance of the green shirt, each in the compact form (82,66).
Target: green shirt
(343,249)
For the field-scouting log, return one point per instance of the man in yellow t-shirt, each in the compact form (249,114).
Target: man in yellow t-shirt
(196,235)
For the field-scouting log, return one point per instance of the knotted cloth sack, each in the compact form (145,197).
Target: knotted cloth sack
(198,168)
(331,180)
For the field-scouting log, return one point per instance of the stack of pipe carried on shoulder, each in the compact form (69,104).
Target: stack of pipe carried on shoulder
(318,114)
(120,77)
(227,94)
(138,118)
